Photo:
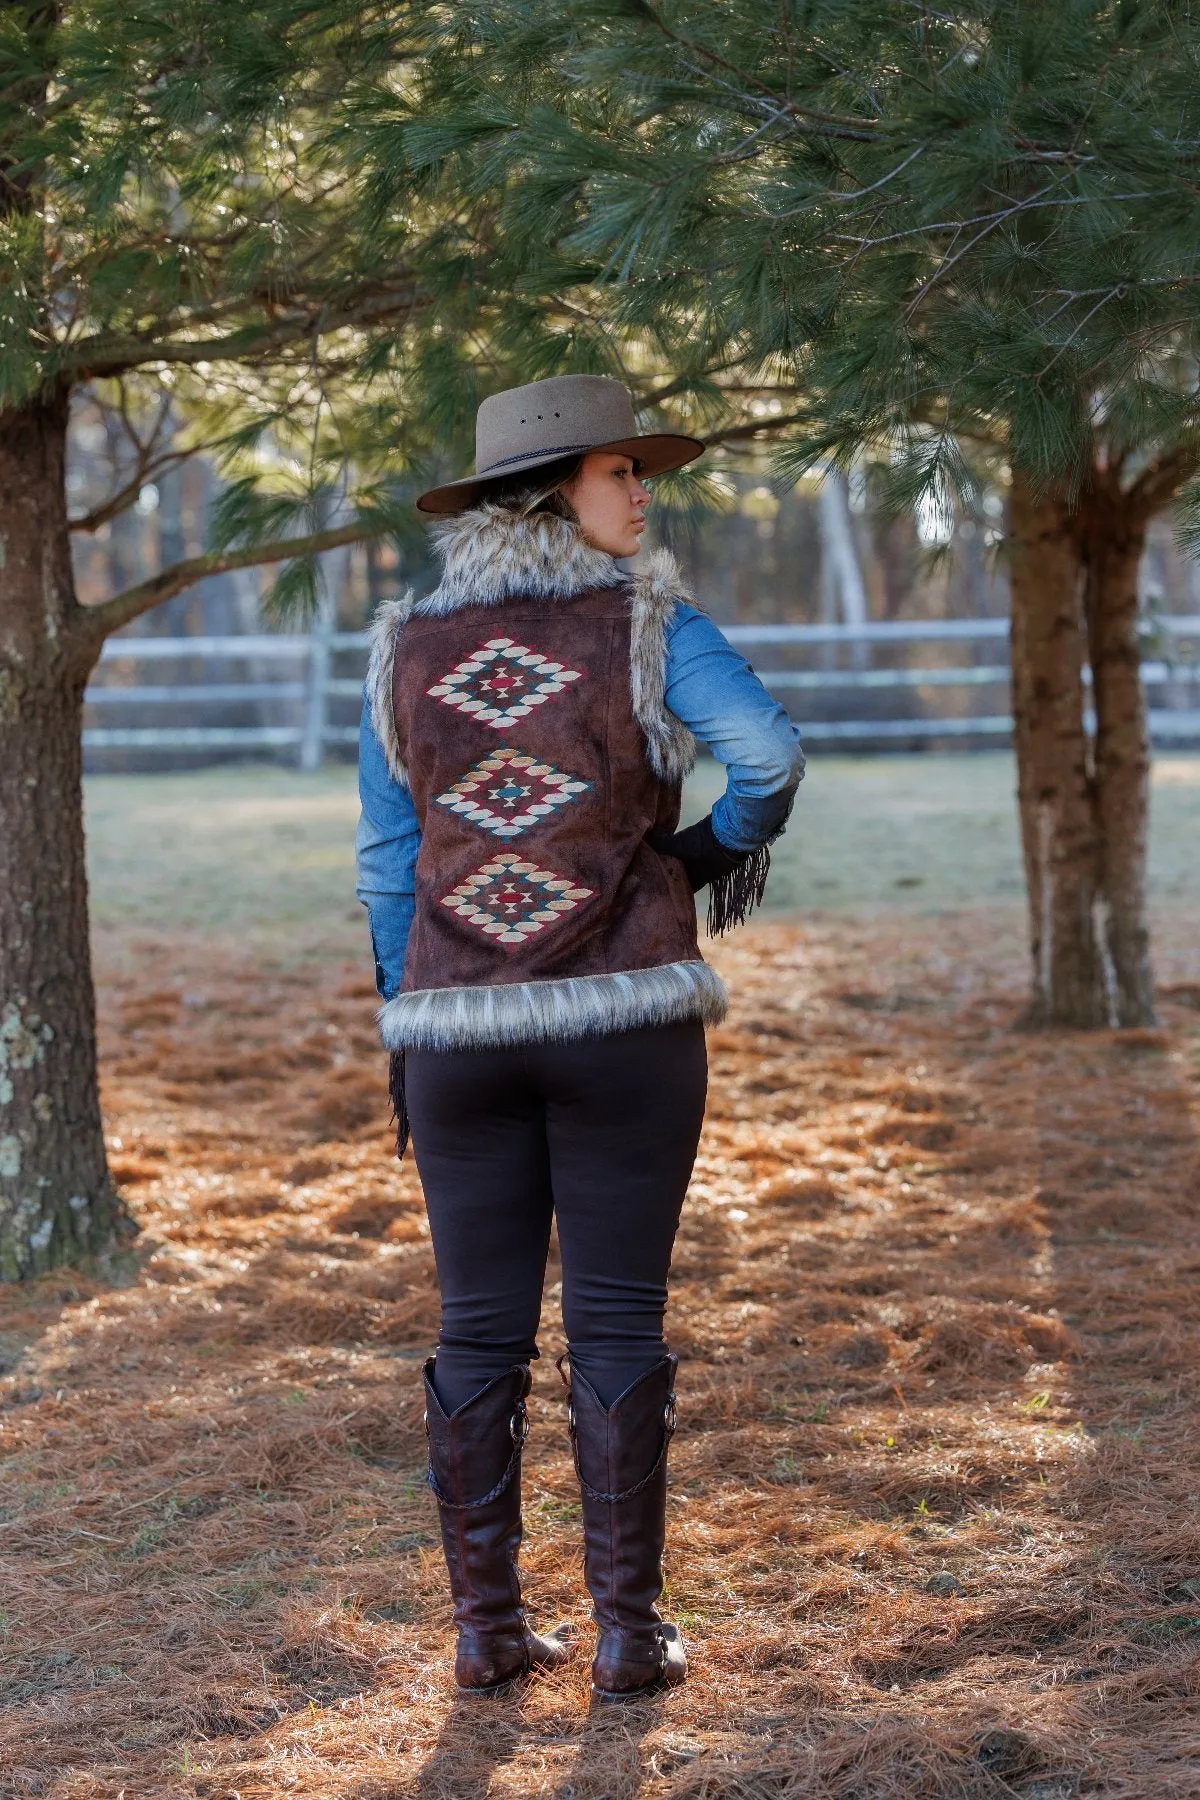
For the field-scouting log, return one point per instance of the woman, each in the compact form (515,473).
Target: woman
(526,732)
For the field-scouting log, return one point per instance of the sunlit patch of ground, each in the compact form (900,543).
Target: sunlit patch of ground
(935,1514)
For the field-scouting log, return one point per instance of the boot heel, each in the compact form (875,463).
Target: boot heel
(624,1671)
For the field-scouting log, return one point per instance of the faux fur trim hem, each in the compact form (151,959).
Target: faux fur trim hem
(543,1012)
(385,629)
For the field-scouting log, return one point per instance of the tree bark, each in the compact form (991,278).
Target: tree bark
(1084,796)
(1055,785)
(1114,535)
(57,1203)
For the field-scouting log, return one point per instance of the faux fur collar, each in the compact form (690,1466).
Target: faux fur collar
(489,554)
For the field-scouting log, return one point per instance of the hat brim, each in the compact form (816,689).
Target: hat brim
(655,455)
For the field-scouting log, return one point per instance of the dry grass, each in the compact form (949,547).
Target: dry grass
(935,1523)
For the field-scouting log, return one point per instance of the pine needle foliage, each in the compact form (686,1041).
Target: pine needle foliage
(944,229)
(180,235)
(209,220)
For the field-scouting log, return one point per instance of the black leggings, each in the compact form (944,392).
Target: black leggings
(600,1133)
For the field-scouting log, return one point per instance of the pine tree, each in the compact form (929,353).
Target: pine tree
(162,219)
(181,237)
(960,240)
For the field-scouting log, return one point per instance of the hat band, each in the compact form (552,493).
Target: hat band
(524,456)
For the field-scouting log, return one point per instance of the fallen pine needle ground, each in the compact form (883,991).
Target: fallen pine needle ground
(935,1503)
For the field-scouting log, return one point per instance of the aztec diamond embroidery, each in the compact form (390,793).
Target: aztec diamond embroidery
(511,900)
(502,682)
(509,791)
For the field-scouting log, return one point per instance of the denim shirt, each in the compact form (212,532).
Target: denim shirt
(709,686)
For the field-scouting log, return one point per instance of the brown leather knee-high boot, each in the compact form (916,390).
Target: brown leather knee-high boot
(475,1474)
(621,1460)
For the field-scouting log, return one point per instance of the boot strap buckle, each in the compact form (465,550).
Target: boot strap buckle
(518,1425)
(670,1416)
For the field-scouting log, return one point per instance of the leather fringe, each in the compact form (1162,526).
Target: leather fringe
(399,1101)
(733,897)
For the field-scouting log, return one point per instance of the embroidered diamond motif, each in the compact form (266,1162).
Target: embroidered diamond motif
(502,682)
(511,900)
(508,792)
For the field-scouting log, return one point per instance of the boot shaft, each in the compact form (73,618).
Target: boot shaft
(476,1448)
(621,1459)
(475,1475)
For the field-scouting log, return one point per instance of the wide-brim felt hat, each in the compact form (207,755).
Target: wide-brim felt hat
(525,428)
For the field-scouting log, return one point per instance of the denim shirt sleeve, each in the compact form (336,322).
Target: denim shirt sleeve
(385,855)
(717,695)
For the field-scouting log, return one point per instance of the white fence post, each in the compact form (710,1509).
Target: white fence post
(335,566)
(840,558)
(316,703)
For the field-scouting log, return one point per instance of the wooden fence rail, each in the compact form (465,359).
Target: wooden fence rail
(309,687)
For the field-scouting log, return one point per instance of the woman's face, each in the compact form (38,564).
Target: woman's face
(610,501)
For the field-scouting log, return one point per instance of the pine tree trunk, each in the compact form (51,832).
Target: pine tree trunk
(56,1201)
(1113,543)
(1054,774)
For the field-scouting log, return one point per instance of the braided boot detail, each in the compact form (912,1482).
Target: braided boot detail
(621,1460)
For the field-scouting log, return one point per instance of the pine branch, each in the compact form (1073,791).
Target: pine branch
(1114,293)
(1157,485)
(833,124)
(125,496)
(99,356)
(98,622)
(731,433)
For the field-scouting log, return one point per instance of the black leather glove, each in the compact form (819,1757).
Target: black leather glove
(704,857)
(735,879)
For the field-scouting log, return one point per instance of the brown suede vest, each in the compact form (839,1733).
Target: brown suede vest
(531,781)
(523,703)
